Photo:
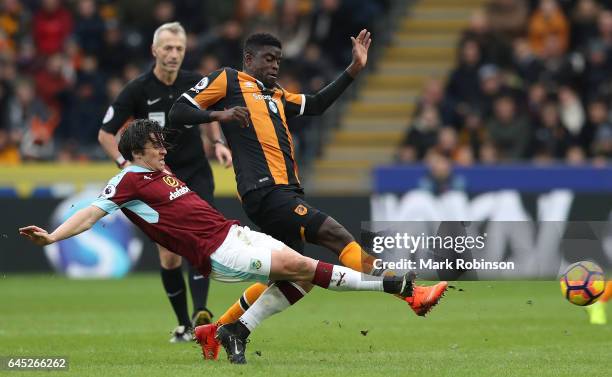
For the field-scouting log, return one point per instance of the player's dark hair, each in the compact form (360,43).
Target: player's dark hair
(137,134)
(258,40)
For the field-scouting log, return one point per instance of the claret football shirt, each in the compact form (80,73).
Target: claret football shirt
(169,213)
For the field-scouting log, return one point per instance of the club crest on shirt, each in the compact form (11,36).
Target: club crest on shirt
(170,181)
(301,210)
(255,264)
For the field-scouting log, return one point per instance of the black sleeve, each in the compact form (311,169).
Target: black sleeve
(120,110)
(318,103)
(183,112)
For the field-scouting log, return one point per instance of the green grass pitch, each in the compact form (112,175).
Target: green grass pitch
(121,328)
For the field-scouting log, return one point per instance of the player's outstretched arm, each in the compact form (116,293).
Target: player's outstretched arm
(318,103)
(81,221)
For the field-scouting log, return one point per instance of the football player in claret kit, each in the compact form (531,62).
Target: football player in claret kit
(167,211)
(151,95)
(265,166)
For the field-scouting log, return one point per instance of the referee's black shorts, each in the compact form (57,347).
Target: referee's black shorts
(282,212)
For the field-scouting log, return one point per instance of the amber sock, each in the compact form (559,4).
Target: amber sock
(353,257)
(239,307)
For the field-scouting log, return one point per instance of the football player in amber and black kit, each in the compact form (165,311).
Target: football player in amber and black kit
(151,96)
(253,111)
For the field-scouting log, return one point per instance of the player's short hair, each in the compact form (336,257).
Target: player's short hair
(173,27)
(137,134)
(258,40)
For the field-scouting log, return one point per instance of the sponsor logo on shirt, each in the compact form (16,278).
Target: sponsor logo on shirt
(153,101)
(178,192)
(261,97)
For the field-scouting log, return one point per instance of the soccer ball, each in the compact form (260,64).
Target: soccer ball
(583,283)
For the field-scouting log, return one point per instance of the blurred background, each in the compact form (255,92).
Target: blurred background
(505,98)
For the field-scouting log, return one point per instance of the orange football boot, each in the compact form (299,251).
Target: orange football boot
(425,298)
(205,336)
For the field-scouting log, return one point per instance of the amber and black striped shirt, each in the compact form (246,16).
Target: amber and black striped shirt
(263,153)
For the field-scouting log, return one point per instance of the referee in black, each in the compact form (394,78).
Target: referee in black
(151,96)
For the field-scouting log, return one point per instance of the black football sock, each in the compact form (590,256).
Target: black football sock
(198,286)
(174,284)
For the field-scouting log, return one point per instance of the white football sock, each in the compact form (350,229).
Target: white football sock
(345,279)
(272,301)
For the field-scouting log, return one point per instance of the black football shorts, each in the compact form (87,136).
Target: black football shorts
(281,212)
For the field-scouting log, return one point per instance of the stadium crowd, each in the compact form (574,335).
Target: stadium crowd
(531,82)
(63,62)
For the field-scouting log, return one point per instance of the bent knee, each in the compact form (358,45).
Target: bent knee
(168,260)
(297,267)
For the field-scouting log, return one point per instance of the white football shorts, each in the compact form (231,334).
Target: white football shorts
(244,255)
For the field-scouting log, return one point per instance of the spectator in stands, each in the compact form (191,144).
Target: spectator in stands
(597,70)
(584,23)
(89,27)
(546,22)
(316,71)
(526,64)
(192,14)
(473,134)
(86,108)
(604,25)
(551,140)
(226,44)
(52,25)
(208,64)
(14,22)
(32,122)
(448,142)
(433,95)
(575,156)
(54,81)
(537,93)
(440,177)
(508,18)
(488,154)
(330,23)
(599,134)
(491,85)
(494,46)
(559,67)
(293,28)
(26,56)
(462,89)
(112,57)
(421,136)
(572,111)
(508,129)
(9,142)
